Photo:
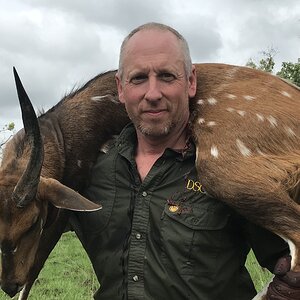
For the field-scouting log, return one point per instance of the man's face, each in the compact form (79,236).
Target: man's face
(154,85)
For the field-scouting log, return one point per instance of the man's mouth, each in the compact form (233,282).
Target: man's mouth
(155,112)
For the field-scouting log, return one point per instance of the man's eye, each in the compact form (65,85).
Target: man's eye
(167,77)
(138,79)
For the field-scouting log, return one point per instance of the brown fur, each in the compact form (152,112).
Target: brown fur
(73,132)
(261,186)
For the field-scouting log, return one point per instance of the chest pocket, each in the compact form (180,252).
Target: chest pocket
(195,233)
(197,217)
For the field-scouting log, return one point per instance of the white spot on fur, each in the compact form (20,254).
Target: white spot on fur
(211,123)
(289,131)
(260,152)
(79,163)
(260,117)
(241,112)
(106,97)
(243,149)
(286,94)
(214,151)
(230,109)
(231,96)
(105,147)
(201,121)
(249,98)
(200,102)
(99,98)
(272,121)
(212,101)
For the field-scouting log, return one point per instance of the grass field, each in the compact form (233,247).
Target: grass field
(68,274)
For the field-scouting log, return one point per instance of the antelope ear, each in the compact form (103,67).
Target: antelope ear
(62,196)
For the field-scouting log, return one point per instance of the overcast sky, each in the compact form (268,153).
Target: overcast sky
(56,44)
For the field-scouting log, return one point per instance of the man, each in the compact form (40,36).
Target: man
(140,244)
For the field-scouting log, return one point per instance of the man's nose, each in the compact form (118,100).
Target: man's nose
(153,92)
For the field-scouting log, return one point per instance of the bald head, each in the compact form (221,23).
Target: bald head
(182,44)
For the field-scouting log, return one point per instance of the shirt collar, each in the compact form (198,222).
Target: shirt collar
(127,142)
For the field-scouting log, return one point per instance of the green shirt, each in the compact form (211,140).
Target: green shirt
(165,238)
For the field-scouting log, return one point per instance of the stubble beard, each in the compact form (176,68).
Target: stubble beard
(155,129)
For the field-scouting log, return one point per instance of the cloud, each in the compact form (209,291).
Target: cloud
(115,14)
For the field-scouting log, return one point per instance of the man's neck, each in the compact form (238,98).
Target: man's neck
(149,149)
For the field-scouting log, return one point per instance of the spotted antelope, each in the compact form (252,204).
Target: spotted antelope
(246,125)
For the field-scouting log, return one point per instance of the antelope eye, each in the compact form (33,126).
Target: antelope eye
(34,220)
(33,225)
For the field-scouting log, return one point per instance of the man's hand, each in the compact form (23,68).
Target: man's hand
(286,283)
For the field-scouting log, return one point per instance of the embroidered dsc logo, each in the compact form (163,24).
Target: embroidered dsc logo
(195,186)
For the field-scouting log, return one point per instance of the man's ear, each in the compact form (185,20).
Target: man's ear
(120,87)
(62,196)
(192,83)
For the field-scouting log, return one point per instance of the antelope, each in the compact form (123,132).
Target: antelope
(42,167)
(246,126)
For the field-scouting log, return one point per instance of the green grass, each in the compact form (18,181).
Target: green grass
(259,275)
(68,275)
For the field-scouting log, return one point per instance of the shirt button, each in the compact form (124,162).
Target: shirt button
(144,194)
(135,278)
(138,236)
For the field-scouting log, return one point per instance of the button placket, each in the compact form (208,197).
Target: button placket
(138,245)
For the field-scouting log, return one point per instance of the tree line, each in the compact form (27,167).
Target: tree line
(289,70)
(6,132)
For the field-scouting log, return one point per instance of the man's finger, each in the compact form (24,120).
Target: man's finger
(283,265)
(279,290)
(292,279)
